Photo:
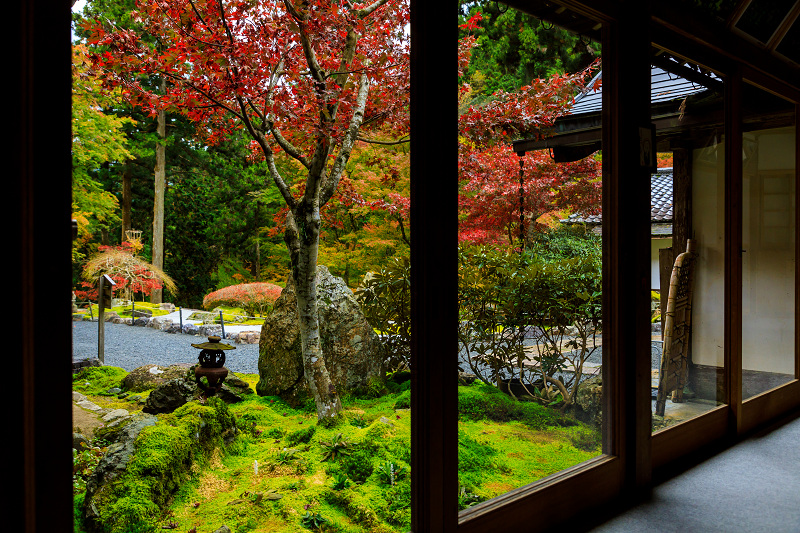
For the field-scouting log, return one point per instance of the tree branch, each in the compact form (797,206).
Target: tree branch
(329,187)
(361,13)
(403,140)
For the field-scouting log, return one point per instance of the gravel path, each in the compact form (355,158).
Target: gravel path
(130,347)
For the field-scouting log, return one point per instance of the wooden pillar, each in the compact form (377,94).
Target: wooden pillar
(37,455)
(733,249)
(434,271)
(626,242)
(681,199)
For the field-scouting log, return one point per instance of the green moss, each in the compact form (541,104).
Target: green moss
(482,402)
(494,457)
(301,436)
(162,462)
(403,401)
(96,380)
(358,465)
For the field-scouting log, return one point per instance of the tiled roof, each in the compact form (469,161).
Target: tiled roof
(661,195)
(660,203)
(664,86)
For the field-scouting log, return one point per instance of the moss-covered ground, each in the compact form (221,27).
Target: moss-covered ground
(286,473)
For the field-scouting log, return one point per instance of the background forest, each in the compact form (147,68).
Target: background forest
(223,217)
(223,221)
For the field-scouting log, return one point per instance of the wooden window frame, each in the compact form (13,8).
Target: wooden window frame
(39,462)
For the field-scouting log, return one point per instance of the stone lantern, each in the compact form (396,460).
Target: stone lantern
(212,359)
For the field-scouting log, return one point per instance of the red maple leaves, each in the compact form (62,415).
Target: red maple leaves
(489,171)
(272,65)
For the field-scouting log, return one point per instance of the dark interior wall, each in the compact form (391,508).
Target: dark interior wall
(36,363)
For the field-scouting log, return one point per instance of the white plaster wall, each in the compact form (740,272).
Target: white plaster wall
(708,228)
(768,263)
(655,246)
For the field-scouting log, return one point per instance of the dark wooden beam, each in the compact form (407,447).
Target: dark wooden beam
(37,458)
(733,250)
(626,242)
(434,272)
(670,22)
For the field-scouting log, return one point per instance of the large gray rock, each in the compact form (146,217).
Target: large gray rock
(113,464)
(171,395)
(176,392)
(588,405)
(349,344)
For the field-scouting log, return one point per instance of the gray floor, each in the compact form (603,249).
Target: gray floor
(752,487)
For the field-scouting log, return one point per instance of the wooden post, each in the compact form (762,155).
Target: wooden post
(103,300)
(681,199)
(101,323)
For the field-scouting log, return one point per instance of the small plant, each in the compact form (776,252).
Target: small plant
(284,457)
(358,465)
(84,462)
(314,522)
(467,498)
(340,481)
(359,422)
(335,448)
(390,473)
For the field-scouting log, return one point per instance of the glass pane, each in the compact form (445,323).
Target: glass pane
(768,243)
(762,17)
(688,327)
(530,260)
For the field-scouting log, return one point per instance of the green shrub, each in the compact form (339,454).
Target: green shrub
(385,299)
(508,299)
(358,465)
(301,436)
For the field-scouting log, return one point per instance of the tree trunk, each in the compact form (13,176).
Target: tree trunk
(127,179)
(158,199)
(302,238)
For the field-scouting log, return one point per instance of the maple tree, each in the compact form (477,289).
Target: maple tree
(308,79)
(129,272)
(254,298)
(368,219)
(489,171)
